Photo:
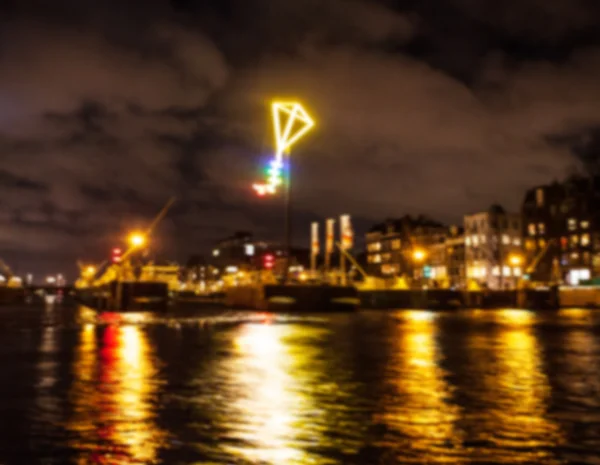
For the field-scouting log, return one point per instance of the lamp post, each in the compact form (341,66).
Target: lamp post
(290,123)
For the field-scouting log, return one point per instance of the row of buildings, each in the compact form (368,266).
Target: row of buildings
(555,238)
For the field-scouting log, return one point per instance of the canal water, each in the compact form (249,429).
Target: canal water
(483,387)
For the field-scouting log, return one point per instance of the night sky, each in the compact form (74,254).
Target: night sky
(441,107)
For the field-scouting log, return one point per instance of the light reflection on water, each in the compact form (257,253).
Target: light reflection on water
(114,397)
(507,386)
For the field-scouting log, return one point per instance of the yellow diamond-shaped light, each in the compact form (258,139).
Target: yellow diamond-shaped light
(290,123)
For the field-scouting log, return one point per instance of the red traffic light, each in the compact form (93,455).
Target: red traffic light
(116,255)
(268,261)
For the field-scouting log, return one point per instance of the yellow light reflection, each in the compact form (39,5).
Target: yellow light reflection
(266,398)
(513,393)
(419,413)
(114,395)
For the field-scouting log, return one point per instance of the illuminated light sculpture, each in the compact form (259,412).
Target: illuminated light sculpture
(290,122)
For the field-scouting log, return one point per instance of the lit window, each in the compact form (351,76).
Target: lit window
(585,239)
(483,239)
(539,197)
(396,243)
(249,249)
(564,242)
(585,224)
(529,244)
(542,228)
(475,241)
(572,223)
(377,246)
(467,241)
(517,271)
(574,256)
(369,259)
(496,271)
(517,241)
(506,270)
(542,243)
(505,239)
(574,240)
(531,229)
(483,272)
(377,258)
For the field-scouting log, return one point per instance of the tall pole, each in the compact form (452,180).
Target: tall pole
(288,219)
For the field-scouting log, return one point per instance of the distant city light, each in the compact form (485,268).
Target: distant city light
(50,279)
(249,249)
(216,252)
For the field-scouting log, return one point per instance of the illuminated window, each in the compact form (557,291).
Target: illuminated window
(496,271)
(574,240)
(516,271)
(585,224)
(529,244)
(574,256)
(564,242)
(475,240)
(386,257)
(506,270)
(572,223)
(377,258)
(539,197)
(376,246)
(517,241)
(467,241)
(396,243)
(531,229)
(542,228)
(585,239)
(249,250)
(505,239)
(483,239)
(483,272)
(542,243)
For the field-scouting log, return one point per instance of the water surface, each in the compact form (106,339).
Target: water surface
(507,386)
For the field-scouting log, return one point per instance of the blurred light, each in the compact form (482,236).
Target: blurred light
(50,279)
(216,252)
(249,249)
(231,269)
(515,260)
(137,239)
(418,255)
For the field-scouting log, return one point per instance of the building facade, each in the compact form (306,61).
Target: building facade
(411,247)
(561,227)
(493,248)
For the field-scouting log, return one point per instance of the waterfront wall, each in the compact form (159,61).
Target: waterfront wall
(441,299)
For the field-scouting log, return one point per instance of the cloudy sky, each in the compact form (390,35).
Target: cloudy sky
(108,108)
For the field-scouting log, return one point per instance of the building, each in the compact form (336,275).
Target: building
(242,251)
(561,227)
(493,248)
(400,247)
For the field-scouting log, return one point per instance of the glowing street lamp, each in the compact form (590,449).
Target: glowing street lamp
(418,255)
(137,240)
(515,260)
(291,122)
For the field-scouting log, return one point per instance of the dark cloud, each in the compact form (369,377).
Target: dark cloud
(107,108)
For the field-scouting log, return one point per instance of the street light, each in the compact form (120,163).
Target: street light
(515,260)
(137,239)
(418,255)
